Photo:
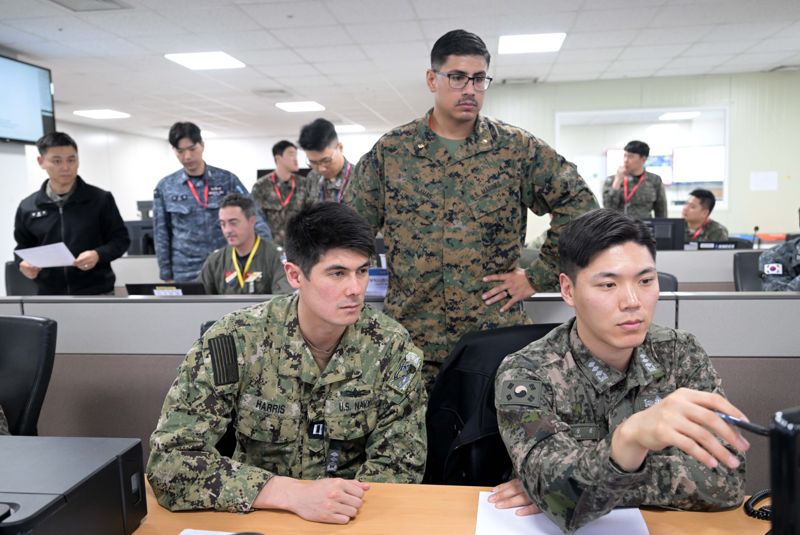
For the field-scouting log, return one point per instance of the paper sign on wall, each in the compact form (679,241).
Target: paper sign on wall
(763,181)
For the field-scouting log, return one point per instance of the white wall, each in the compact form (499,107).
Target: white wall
(764,119)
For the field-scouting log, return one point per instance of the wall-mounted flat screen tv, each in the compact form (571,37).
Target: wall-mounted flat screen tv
(26,101)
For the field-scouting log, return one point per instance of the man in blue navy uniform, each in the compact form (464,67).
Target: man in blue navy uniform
(186,207)
(67,209)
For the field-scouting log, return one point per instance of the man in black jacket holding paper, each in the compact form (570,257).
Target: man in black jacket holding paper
(67,209)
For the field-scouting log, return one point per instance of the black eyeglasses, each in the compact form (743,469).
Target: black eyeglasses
(459,80)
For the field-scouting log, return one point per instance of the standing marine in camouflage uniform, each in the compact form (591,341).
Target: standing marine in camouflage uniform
(323,389)
(284,192)
(780,267)
(697,213)
(633,190)
(451,192)
(330,171)
(248,264)
(3,423)
(609,410)
(185,206)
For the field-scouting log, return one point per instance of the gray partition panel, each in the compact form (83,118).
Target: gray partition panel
(697,266)
(743,324)
(140,325)
(10,306)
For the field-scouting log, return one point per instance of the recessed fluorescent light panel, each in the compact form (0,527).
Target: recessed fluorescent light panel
(102,114)
(349,128)
(299,106)
(206,61)
(530,43)
(679,116)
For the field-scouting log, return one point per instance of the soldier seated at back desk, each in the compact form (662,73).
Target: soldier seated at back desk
(780,267)
(608,409)
(327,392)
(248,264)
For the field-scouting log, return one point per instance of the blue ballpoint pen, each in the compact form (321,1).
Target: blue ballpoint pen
(747,426)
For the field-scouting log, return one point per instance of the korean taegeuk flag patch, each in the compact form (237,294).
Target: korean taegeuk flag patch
(773,269)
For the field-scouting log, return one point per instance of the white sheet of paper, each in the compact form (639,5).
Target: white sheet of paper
(763,181)
(205,532)
(45,256)
(493,521)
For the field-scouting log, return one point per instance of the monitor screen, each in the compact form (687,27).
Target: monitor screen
(26,101)
(668,232)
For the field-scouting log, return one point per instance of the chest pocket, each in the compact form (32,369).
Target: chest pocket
(179,206)
(270,442)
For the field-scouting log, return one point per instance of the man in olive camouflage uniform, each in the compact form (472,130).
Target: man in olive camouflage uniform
(3,423)
(609,410)
(323,390)
(451,192)
(283,192)
(697,213)
(780,267)
(633,190)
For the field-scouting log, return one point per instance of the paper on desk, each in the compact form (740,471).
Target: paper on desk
(204,532)
(45,256)
(493,521)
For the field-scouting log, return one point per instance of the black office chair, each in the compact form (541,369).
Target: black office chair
(746,277)
(667,282)
(26,361)
(17,283)
(464,443)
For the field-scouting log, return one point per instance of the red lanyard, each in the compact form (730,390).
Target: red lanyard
(278,192)
(344,182)
(628,197)
(699,230)
(203,204)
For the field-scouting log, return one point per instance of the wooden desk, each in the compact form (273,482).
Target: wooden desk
(418,510)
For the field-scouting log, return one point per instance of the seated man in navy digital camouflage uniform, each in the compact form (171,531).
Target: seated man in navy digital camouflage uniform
(327,392)
(608,409)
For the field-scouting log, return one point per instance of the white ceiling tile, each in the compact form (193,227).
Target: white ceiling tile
(765,60)
(624,74)
(519,71)
(571,77)
(592,68)
(166,44)
(289,14)
(583,40)
(134,23)
(649,52)
(50,50)
(637,65)
(788,44)
(697,62)
(385,32)
(720,48)
(589,54)
(236,41)
(213,19)
(275,56)
(681,71)
(331,53)
(527,59)
(15,9)
(390,52)
(317,36)
(291,70)
(734,32)
(672,36)
(357,11)
(109,47)
(345,67)
(304,82)
(614,19)
(447,9)
(64,28)
(614,4)
(10,36)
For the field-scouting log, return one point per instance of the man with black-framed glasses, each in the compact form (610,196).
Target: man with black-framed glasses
(330,170)
(451,193)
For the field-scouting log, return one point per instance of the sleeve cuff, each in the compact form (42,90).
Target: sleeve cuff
(241,490)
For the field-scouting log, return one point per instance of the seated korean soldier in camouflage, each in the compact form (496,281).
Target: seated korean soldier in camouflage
(327,392)
(780,267)
(697,213)
(608,409)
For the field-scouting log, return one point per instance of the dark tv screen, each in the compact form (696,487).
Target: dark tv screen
(26,101)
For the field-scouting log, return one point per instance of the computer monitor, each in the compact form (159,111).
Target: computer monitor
(668,232)
(145,209)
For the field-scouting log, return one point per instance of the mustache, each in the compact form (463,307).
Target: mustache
(467,101)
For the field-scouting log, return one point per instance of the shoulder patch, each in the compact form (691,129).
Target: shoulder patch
(223,359)
(773,269)
(405,373)
(525,393)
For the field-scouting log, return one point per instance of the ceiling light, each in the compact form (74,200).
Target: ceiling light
(294,107)
(349,128)
(679,116)
(530,43)
(205,61)
(102,114)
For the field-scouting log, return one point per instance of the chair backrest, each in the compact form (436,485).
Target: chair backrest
(17,283)
(667,282)
(746,277)
(464,443)
(26,362)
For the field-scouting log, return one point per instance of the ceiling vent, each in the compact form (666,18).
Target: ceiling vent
(519,81)
(85,6)
(785,68)
(271,93)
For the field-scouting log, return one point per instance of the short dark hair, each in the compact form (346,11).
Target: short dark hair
(320,227)
(318,135)
(179,131)
(706,198)
(458,43)
(280,147)
(55,139)
(247,204)
(638,147)
(586,236)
